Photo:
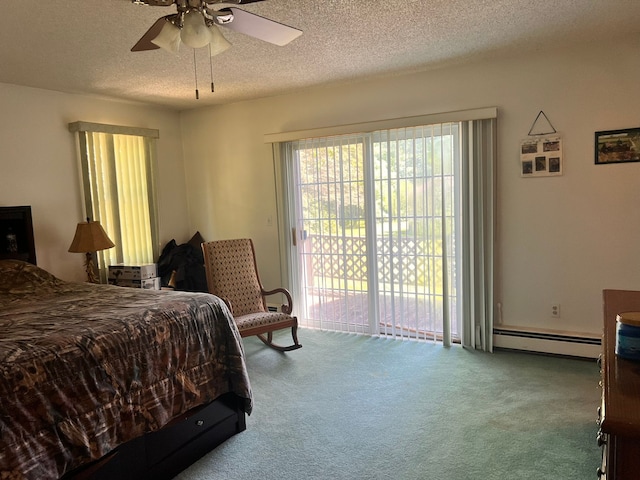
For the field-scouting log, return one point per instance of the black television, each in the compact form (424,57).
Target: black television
(16,234)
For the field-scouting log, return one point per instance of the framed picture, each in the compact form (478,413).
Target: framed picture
(618,146)
(541,156)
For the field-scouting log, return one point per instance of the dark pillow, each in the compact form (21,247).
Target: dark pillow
(196,240)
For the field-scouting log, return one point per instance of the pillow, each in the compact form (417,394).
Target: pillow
(196,241)
(21,277)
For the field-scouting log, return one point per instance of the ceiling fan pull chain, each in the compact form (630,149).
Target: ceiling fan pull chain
(195,73)
(211,68)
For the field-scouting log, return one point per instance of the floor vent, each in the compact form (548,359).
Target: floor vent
(558,343)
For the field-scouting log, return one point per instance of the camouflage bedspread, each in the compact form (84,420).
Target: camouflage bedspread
(86,368)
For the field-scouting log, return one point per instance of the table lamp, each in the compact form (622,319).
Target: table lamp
(90,237)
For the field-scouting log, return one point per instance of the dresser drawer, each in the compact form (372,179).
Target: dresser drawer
(185,429)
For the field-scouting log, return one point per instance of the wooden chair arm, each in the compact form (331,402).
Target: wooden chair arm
(285,308)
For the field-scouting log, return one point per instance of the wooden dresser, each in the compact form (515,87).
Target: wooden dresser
(619,414)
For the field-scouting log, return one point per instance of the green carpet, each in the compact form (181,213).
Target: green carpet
(356,407)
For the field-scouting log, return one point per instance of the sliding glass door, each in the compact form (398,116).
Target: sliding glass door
(376,230)
(415,192)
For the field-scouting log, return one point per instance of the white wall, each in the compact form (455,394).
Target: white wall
(39,166)
(561,239)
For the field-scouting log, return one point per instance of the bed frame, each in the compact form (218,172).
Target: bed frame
(157,455)
(163,454)
(17,222)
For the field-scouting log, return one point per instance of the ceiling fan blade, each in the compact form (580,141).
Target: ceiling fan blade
(145,41)
(154,3)
(261,27)
(215,3)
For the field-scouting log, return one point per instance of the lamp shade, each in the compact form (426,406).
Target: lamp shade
(195,33)
(169,38)
(90,237)
(218,43)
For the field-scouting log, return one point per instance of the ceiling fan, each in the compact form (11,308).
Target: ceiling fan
(196,25)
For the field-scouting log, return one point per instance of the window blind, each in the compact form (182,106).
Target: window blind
(425,221)
(118,172)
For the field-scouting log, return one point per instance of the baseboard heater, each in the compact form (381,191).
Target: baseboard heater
(547,342)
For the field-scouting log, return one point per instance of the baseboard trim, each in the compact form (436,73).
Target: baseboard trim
(559,343)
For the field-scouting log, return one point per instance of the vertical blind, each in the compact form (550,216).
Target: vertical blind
(377,214)
(449,200)
(328,182)
(417,169)
(118,172)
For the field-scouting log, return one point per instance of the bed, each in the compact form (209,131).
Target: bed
(101,381)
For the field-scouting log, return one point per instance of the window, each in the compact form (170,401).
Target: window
(118,177)
(377,213)
(393,229)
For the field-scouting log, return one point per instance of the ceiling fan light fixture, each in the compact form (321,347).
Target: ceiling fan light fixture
(195,33)
(218,43)
(169,38)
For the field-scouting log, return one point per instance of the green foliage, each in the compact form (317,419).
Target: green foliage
(412,193)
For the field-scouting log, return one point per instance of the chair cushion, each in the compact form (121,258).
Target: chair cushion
(261,319)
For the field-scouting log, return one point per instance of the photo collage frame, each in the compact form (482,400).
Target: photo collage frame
(541,156)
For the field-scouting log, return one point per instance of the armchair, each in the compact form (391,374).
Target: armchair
(232,275)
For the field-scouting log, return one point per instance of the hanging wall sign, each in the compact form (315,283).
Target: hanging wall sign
(541,156)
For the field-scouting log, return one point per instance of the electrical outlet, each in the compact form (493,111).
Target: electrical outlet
(555,310)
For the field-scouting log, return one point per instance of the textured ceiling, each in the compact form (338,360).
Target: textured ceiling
(83,46)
